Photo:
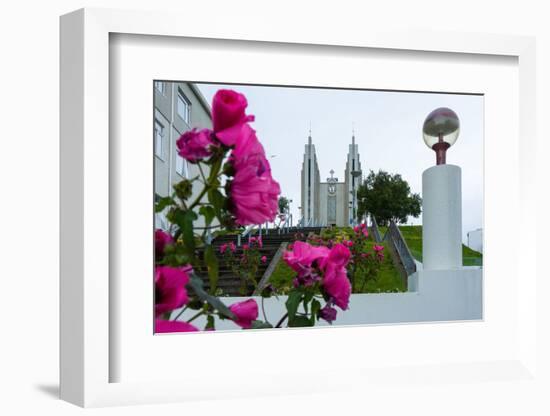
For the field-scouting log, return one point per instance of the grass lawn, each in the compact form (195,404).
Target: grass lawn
(388,279)
(413,236)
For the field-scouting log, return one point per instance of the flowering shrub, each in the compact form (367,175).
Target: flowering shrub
(320,275)
(234,188)
(245,266)
(366,260)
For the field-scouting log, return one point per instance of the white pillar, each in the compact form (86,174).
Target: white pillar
(441,218)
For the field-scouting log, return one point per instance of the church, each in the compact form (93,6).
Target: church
(331,202)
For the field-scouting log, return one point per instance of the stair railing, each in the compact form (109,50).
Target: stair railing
(375,230)
(395,238)
(287,224)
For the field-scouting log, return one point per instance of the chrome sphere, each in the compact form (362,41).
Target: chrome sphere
(442,123)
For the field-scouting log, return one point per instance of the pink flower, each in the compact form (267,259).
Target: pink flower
(378,248)
(162,239)
(245,247)
(339,255)
(232,247)
(335,281)
(170,291)
(253,191)
(195,145)
(260,242)
(357,229)
(223,248)
(228,115)
(263,259)
(328,313)
(302,256)
(349,243)
(162,326)
(337,285)
(365,232)
(245,312)
(363,225)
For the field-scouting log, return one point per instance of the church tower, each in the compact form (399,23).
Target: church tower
(352,181)
(310,184)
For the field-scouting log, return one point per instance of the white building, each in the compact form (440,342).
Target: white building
(331,202)
(179,107)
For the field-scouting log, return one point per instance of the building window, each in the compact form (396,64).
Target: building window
(184,107)
(181,166)
(159,135)
(160,87)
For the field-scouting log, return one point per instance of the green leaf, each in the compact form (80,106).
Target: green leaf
(307,298)
(213,268)
(208,213)
(315,308)
(216,198)
(260,325)
(163,203)
(184,221)
(292,303)
(210,323)
(300,321)
(196,284)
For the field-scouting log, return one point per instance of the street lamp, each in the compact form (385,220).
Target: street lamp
(441,195)
(440,131)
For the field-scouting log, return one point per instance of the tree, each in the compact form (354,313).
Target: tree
(283,204)
(387,197)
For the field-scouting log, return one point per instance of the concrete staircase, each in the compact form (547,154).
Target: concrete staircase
(229,283)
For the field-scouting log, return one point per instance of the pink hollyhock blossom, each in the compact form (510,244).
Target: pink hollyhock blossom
(335,280)
(378,248)
(170,291)
(365,232)
(328,313)
(302,256)
(228,115)
(223,248)
(363,225)
(263,259)
(245,312)
(162,326)
(162,239)
(195,145)
(253,191)
(245,247)
(339,255)
(357,229)
(348,243)
(232,247)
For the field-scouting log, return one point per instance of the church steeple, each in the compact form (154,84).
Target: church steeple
(353,179)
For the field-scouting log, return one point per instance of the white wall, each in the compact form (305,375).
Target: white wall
(29,214)
(442,295)
(475,240)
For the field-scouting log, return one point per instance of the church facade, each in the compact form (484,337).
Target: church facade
(332,202)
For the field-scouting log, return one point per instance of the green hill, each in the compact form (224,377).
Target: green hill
(413,236)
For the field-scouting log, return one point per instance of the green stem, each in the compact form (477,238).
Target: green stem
(201,312)
(179,314)
(281,320)
(263,312)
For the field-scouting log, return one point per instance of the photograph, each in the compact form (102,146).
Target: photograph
(291,207)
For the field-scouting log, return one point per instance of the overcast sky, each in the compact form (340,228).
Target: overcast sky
(388,130)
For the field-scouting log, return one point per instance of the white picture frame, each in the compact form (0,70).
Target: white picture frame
(85,352)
